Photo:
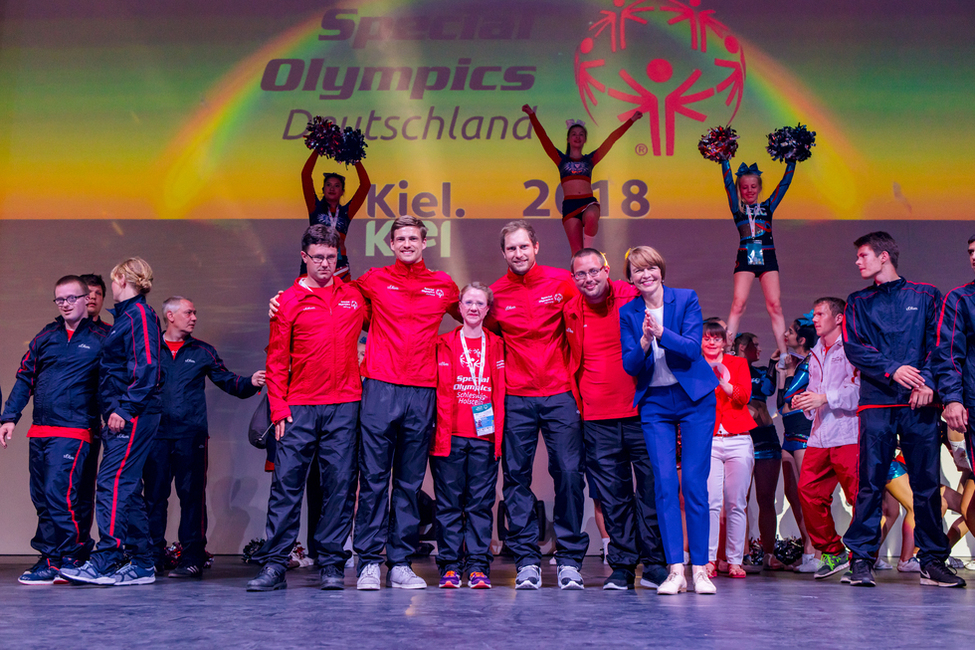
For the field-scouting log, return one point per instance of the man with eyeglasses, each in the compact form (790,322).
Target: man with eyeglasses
(180,447)
(528,303)
(616,450)
(60,370)
(314,391)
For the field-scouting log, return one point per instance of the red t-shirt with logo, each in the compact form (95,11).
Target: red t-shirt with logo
(607,390)
(469,392)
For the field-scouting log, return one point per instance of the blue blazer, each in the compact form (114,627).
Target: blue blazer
(681,341)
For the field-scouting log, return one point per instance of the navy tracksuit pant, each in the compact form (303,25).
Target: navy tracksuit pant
(120,511)
(397,423)
(55,474)
(558,418)
(616,451)
(920,443)
(185,461)
(86,492)
(326,434)
(465,483)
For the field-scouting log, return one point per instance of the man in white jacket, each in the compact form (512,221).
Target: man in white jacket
(831,402)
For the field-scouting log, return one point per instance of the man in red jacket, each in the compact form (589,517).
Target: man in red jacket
(615,447)
(398,415)
(528,303)
(314,391)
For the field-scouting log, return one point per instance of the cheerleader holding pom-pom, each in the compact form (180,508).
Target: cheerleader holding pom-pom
(327,139)
(580,209)
(756,250)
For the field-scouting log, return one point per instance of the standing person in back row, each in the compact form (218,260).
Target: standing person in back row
(398,413)
(128,392)
(528,303)
(180,450)
(890,331)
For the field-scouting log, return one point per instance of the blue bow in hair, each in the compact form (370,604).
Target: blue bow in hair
(744,169)
(805,320)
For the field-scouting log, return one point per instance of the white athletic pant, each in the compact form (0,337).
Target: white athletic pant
(732,460)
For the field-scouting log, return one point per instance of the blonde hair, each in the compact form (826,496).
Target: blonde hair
(643,257)
(136,272)
(477,286)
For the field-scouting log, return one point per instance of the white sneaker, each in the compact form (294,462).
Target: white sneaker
(401,576)
(529,577)
(809,564)
(606,551)
(910,566)
(570,578)
(881,565)
(369,578)
(702,583)
(675,582)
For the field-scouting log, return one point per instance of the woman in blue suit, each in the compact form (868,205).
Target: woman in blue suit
(661,336)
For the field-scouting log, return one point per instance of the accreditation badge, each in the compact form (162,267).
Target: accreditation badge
(483,419)
(754,253)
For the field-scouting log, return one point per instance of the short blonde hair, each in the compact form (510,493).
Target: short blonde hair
(479,287)
(643,257)
(135,271)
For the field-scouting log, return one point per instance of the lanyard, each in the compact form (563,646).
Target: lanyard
(750,213)
(333,219)
(470,362)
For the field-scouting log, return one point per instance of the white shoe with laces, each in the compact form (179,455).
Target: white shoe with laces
(401,576)
(881,565)
(910,566)
(809,564)
(675,582)
(369,578)
(702,583)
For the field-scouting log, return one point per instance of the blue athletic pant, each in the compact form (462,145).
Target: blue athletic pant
(55,473)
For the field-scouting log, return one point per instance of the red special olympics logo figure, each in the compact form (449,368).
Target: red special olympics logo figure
(605,48)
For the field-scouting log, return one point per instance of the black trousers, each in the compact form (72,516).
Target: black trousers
(397,423)
(558,419)
(185,461)
(465,483)
(328,434)
(85,508)
(920,443)
(616,451)
(55,472)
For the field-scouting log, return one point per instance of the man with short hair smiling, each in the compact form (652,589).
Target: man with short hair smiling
(889,331)
(398,415)
(313,391)
(615,447)
(528,303)
(60,370)
(179,450)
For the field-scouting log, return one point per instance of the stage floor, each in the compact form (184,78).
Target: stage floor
(761,611)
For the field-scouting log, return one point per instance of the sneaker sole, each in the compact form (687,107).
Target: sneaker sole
(367,587)
(450,585)
(840,567)
(481,586)
(668,593)
(928,582)
(526,586)
(615,587)
(647,584)
(280,585)
(395,585)
(862,583)
(138,581)
(101,580)
(332,586)
(37,582)
(573,586)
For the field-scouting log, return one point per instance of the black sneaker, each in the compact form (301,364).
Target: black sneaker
(620,580)
(270,578)
(653,575)
(862,574)
(332,577)
(936,574)
(846,577)
(187,571)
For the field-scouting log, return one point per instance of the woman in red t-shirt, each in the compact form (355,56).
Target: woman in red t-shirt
(467,442)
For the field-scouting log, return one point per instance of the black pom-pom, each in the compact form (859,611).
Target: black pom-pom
(324,136)
(353,147)
(171,556)
(791,143)
(788,551)
(251,549)
(719,144)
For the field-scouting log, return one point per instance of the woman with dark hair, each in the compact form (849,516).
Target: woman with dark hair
(329,211)
(580,209)
(792,380)
(660,333)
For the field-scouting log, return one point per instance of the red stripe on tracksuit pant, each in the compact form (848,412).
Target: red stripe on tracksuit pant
(55,470)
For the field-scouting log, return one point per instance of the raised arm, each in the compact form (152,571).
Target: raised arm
(604,148)
(729,186)
(307,184)
(547,145)
(783,185)
(362,192)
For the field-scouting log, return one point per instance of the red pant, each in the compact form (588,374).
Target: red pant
(821,470)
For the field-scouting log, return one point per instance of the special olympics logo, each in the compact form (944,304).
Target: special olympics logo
(660,57)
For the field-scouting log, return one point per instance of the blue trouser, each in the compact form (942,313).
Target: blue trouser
(185,460)
(662,411)
(55,474)
(397,423)
(326,434)
(616,451)
(464,484)
(86,492)
(558,418)
(121,510)
(921,445)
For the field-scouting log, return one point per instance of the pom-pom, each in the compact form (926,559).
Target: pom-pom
(324,136)
(298,557)
(791,143)
(719,144)
(171,556)
(788,551)
(353,147)
(755,556)
(251,549)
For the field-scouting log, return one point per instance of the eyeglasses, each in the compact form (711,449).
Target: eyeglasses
(69,300)
(474,303)
(321,259)
(591,273)
(715,339)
